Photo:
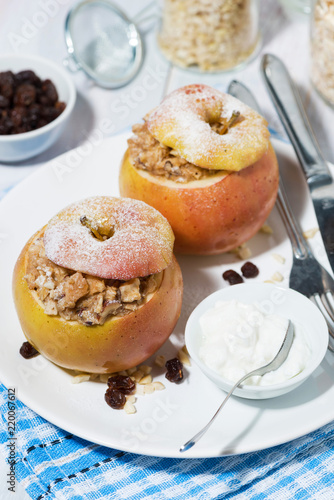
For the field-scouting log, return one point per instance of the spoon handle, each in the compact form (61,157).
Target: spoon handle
(273,365)
(189,444)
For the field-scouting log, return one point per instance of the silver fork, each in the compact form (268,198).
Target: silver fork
(307,275)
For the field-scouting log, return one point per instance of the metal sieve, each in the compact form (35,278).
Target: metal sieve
(103,42)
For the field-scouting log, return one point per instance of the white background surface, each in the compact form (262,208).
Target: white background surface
(288,38)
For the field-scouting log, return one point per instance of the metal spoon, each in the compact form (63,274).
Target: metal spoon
(273,365)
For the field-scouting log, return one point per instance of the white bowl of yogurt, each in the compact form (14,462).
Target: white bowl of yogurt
(238,329)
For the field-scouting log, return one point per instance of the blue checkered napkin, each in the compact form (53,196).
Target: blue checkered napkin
(54,464)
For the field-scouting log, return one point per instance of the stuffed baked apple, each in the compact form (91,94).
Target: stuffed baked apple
(98,288)
(204,160)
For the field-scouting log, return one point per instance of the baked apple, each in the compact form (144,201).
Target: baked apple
(204,160)
(98,288)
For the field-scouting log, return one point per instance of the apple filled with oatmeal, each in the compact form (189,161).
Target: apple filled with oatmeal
(98,289)
(204,160)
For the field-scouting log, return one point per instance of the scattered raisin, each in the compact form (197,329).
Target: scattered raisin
(174,370)
(121,383)
(28,351)
(232,277)
(249,270)
(115,399)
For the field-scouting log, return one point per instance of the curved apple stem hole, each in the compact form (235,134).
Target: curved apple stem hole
(223,127)
(98,232)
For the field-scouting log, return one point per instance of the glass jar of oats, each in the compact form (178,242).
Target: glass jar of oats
(209,35)
(322,48)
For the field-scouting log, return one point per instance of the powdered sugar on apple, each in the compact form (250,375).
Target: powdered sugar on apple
(182,122)
(141,243)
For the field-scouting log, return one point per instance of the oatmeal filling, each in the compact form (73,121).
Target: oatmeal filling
(147,153)
(151,155)
(80,297)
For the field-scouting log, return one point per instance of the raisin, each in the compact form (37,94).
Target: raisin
(6,126)
(121,383)
(49,113)
(7,84)
(35,111)
(49,94)
(232,277)
(22,130)
(60,106)
(26,103)
(3,129)
(4,101)
(115,399)
(174,370)
(249,270)
(27,76)
(25,95)
(41,122)
(28,351)
(17,114)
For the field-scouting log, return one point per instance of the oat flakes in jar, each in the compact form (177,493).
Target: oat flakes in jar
(210,35)
(322,48)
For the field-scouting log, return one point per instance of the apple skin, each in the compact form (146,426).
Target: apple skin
(118,344)
(212,217)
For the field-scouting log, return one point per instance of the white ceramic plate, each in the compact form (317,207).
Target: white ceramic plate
(166,419)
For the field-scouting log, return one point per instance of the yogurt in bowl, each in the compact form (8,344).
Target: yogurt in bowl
(241,328)
(239,338)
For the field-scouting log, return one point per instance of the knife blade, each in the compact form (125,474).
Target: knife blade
(287,102)
(241,92)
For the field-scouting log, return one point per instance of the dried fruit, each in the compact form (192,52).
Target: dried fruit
(121,383)
(26,103)
(28,351)
(174,370)
(232,277)
(49,94)
(115,399)
(25,95)
(249,270)
(27,76)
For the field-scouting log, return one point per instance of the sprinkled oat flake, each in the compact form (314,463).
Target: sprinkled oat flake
(310,233)
(129,408)
(183,357)
(243,252)
(266,229)
(277,276)
(81,377)
(160,361)
(279,258)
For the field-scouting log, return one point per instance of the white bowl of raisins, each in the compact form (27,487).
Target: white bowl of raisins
(37,97)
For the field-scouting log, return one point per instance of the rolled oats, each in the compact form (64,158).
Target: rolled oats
(322,48)
(209,34)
